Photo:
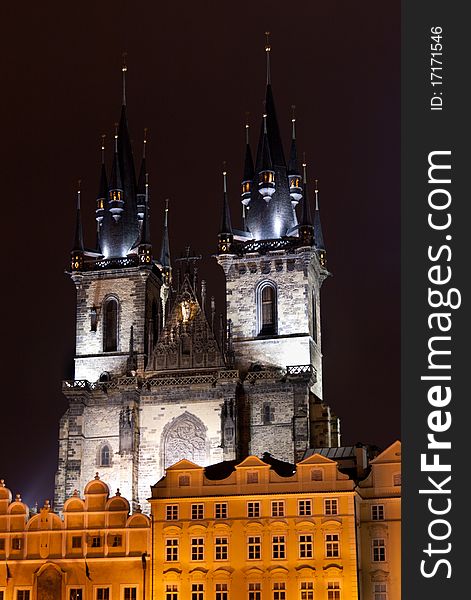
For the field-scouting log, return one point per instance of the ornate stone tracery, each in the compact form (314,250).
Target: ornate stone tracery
(185,437)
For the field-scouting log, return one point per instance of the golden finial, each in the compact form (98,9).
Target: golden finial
(224,175)
(145,142)
(293,121)
(267,51)
(103,136)
(124,69)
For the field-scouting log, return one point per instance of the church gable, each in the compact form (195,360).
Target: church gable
(187,340)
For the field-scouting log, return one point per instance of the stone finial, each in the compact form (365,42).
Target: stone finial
(97,476)
(118,493)
(2,483)
(18,498)
(138,509)
(47,504)
(75,493)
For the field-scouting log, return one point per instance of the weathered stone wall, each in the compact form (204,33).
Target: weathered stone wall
(135,289)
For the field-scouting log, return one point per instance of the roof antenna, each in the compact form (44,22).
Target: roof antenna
(124,69)
(267,50)
(293,121)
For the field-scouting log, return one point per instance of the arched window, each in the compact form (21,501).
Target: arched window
(105,456)
(267,324)
(110,325)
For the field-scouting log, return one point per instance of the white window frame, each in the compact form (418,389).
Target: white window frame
(333,504)
(380,509)
(308,545)
(170,511)
(378,548)
(306,590)
(278,546)
(198,509)
(225,510)
(254,544)
(23,588)
(69,589)
(336,589)
(223,592)
(170,549)
(335,544)
(102,586)
(254,590)
(221,546)
(255,504)
(279,590)
(173,593)
(276,505)
(128,585)
(380,594)
(307,510)
(197,594)
(197,547)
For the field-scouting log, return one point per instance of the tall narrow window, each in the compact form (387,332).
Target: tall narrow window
(105,456)
(110,332)
(314,318)
(267,309)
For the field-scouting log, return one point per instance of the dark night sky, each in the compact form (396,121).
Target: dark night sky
(195,68)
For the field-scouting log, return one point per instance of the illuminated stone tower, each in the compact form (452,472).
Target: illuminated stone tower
(274,271)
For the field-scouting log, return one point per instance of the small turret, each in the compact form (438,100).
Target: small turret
(294,176)
(141,182)
(145,247)
(226,236)
(116,189)
(77,253)
(266,177)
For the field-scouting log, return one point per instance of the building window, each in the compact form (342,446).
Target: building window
(2,594)
(171,549)
(16,543)
(252,477)
(76,594)
(197,511)
(333,590)
(197,591)
(130,593)
(184,480)
(307,590)
(254,547)
(96,542)
(221,548)
(278,508)
(268,413)
(23,595)
(117,541)
(171,591)
(305,546)
(255,591)
(104,459)
(220,510)
(222,591)
(380,591)
(331,506)
(377,512)
(314,318)
(278,547)
(103,593)
(76,541)
(332,545)
(317,475)
(397,479)
(2,544)
(253,510)
(304,508)
(93,318)
(279,590)
(379,550)
(110,325)
(171,512)
(197,548)
(267,309)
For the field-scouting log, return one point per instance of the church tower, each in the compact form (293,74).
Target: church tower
(274,270)
(158,378)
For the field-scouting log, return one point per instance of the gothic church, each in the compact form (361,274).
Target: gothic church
(157,377)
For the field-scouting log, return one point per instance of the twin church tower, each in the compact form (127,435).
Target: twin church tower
(158,377)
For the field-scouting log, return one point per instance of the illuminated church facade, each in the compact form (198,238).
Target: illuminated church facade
(158,377)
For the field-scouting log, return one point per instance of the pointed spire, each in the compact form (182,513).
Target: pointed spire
(307,215)
(267,52)
(267,164)
(124,69)
(293,168)
(165,250)
(247,180)
(103,187)
(78,241)
(141,182)
(225,236)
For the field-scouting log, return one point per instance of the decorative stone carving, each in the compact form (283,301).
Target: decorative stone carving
(185,437)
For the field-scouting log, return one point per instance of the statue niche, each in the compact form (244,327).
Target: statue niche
(185,437)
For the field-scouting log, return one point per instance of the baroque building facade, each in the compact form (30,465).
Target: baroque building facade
(157,378)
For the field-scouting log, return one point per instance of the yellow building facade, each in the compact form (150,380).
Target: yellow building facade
(256,529)
(96,550)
